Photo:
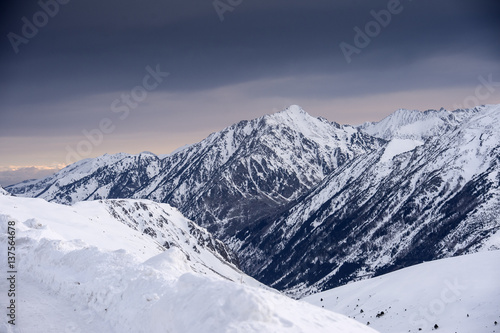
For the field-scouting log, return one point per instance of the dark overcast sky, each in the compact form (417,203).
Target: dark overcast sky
(264,56)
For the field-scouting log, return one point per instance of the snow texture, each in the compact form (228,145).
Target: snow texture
(460,294)
(85,268)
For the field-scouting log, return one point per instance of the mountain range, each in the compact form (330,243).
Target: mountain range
(304,204)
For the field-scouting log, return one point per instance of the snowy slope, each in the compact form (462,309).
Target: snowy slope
(142,227)
(417,125)
(92,268)
(460,294)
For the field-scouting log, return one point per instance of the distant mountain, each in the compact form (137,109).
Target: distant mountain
(417,125)
(233,177)
(104,177)
(249,170)
(308,204)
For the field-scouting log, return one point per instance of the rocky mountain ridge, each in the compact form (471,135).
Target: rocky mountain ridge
(308,204)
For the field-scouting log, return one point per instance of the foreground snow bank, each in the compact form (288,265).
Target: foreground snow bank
(125,290)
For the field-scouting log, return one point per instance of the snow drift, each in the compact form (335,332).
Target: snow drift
(109,276)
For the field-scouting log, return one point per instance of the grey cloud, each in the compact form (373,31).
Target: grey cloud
(65,78)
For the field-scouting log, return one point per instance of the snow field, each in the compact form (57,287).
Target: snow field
(459,294)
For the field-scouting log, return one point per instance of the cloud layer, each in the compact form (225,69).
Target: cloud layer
(263,56)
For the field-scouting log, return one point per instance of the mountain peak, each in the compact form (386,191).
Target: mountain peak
(293,115)
(294,109)
(147,153)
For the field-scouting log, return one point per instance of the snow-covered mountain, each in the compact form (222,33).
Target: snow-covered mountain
(388,209)
(104,266)
(460,294)
(233,177)
(104,177)
(307,204)
(417,125)
(248,170)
